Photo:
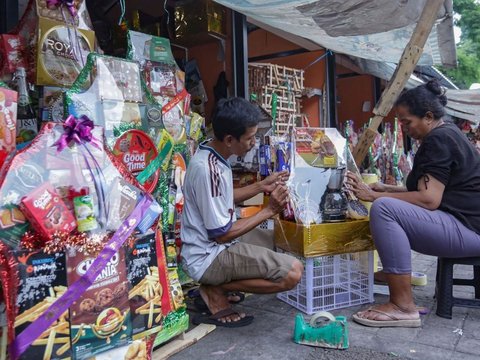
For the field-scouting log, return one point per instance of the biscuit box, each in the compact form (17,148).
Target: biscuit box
(145,294)
(47,212)
(100,318)
(42,280)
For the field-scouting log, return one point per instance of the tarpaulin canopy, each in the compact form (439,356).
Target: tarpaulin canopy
(464,104)
(370,29)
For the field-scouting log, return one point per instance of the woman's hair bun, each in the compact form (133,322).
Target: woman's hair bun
(434,87)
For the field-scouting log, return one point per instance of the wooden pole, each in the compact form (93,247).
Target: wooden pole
(402,73)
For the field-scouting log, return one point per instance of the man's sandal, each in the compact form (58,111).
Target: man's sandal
(215,319)
(202,306)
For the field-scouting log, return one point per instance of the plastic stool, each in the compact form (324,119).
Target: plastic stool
(445,282)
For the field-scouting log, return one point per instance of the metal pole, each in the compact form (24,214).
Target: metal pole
(240,55)
(331,92)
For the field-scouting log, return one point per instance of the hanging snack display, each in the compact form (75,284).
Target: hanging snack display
(163,78)
(156,60)
(79,286)
(110,91)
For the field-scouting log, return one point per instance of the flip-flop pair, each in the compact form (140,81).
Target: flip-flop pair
(393,321)
(201,306)
(214,319)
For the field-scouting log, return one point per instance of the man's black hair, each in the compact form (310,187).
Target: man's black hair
(233,116)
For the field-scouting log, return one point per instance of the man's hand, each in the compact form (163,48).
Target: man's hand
(270,183)
(278,199)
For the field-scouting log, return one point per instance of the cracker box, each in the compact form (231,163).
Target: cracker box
(100,318)
(42,280)
(8,118)
(145,294)
(47,212)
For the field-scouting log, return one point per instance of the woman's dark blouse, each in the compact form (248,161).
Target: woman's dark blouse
(446,154)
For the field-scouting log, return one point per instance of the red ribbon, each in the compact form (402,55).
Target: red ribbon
(76,130)
(179,97)
(69,4)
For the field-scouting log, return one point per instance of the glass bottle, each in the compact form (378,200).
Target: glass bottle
(27,123)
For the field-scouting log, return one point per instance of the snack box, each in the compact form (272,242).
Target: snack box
(47,212)
(100,318)
(42,281)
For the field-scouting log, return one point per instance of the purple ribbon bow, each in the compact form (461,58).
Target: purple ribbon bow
(77,130)
(69,4)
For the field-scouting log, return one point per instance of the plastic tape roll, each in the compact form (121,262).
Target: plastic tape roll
(419,279)
(321,314)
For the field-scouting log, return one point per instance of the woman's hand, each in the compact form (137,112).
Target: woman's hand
(378,187)
(272,181)
(359,188)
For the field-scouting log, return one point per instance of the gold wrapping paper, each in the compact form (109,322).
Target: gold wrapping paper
(323,239)
(194,20)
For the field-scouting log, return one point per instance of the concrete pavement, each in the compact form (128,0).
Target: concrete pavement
(270,335)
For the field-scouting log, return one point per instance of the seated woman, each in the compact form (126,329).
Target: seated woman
(438,213)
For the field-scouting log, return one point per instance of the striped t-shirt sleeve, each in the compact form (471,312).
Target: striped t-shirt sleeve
(213,203)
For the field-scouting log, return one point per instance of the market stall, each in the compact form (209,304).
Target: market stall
(92,169)
(93,164)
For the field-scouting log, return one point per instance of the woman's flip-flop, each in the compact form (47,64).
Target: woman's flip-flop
(215,319)
(392,322)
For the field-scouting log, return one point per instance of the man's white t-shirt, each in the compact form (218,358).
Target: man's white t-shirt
(209,209)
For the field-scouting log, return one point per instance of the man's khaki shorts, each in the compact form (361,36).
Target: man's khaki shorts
(247,261)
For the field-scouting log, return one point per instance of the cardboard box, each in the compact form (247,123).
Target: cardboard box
(247,211)
(323,239)
(254,201)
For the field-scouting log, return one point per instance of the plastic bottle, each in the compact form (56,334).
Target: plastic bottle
(79,193)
